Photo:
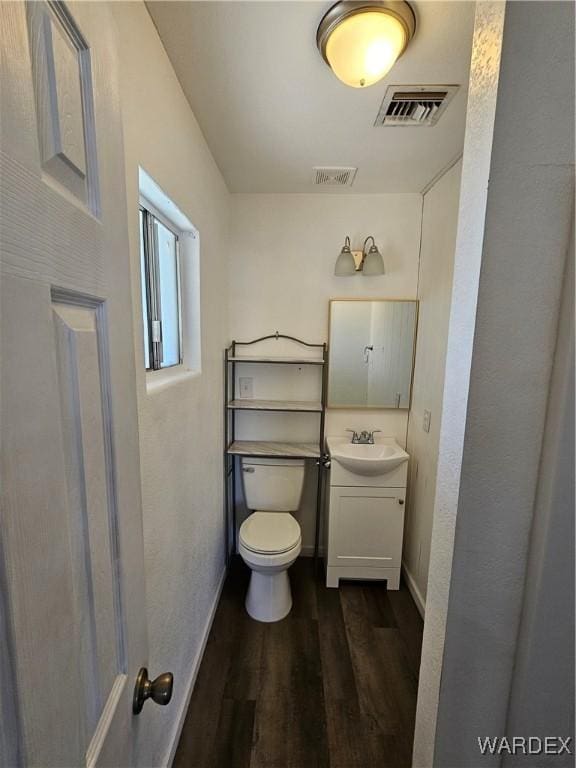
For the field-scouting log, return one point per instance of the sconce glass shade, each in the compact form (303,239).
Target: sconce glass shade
(373,263)
(345,264)
(361,41)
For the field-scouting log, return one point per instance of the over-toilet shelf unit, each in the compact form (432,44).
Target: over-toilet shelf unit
(269,449)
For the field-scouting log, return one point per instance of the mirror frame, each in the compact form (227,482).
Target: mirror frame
(414,342)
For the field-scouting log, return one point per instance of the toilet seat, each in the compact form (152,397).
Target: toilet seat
(269,533)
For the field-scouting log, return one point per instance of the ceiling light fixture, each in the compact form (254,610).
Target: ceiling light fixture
(368,262)
(361,41)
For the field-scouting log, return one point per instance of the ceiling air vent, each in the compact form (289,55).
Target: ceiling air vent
(334,177)
(414,105)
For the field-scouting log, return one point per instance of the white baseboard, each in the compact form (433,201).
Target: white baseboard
(193,674)
(414,591)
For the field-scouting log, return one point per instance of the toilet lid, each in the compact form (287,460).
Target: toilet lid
(270,532)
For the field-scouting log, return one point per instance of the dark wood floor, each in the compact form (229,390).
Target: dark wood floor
(333,685)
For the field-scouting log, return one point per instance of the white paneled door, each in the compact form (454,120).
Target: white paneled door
(72,621)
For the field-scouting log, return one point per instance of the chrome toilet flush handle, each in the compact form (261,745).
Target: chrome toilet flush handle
(248,469)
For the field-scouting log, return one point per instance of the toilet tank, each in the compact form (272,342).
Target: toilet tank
(273,485)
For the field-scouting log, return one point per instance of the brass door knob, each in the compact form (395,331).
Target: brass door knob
(159,690)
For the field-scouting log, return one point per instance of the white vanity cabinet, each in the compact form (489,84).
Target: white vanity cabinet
(365,526)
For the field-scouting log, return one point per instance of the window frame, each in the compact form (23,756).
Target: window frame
(151,277)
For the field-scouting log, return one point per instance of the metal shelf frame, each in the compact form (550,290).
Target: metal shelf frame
(266,448)
(281,406)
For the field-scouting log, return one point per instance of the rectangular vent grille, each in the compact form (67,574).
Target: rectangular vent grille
(422,105)
(334,177)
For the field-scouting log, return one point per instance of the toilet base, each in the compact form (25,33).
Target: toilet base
(269,596)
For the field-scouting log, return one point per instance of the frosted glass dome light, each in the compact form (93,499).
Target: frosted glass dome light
(361,41)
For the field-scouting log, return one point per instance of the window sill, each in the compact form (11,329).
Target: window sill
(158,381)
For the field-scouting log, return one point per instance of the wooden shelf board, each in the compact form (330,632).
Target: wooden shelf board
(275,405)
(274,449)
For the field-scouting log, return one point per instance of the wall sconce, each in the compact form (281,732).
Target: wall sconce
(350,262)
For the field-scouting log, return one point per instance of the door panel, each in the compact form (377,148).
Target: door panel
(73,602)
(64,99)
(91,492)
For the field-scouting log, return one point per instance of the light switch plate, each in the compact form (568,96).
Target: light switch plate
(426,421)
(246,388)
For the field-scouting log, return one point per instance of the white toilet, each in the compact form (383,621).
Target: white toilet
(269,539)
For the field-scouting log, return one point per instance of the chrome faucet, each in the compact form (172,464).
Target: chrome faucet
(363,438)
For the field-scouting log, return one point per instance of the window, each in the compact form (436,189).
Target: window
(161,301)
(170,288)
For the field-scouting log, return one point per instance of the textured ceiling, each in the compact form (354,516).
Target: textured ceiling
(271,109)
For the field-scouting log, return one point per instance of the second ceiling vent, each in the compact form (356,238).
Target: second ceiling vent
(334,176)
(414,105)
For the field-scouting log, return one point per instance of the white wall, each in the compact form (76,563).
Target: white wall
(542,699)
(283,249)
(483,89)
(439,221)
(501,339)
(180,424)
(526,239)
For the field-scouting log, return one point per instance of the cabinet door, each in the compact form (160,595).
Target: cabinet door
(365,527)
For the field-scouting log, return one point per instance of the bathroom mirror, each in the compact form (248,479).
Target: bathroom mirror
(371,353)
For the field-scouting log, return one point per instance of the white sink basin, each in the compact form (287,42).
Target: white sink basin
(377,459)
